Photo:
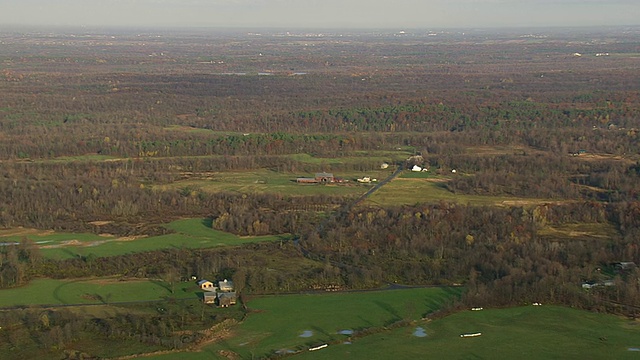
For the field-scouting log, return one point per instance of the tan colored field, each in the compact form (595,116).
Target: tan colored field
(501,150)
(75,242)
(601,157)
(20,231)
(601,231)
(264,181)
(403,191)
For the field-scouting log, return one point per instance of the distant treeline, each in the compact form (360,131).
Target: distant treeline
(603,129)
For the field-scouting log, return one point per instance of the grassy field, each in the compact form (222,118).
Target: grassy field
(87,157)
(190,233)
(421,175)
(379,156)
(92,291)
(422,188)
(265,181)
(592,231)
(48,237)
(534,332)
(289,322)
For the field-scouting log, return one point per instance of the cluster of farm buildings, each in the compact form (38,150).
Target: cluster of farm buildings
(223,295)
(320,178)
(620,268)
(329,178)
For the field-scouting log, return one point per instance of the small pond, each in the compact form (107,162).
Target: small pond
(306,334)
(419,332)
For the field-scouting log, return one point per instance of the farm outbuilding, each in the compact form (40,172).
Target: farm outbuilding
(210,297)
(304,180)
(205,285)
(324,177)
(227,299)
(225,285)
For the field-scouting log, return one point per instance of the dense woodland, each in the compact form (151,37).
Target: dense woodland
(90,126)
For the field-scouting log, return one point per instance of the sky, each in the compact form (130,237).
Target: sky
(399,14)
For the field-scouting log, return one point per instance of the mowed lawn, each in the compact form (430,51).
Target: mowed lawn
(291,322)
(189,233)
(91,291)
(533,332)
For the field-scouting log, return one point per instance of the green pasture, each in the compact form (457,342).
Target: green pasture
(280,322)
(420,175)
(113,248)
(92,291)
(412,190)
(189,233)
(532,332)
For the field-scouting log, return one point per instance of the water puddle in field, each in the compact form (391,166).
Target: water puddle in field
(285,351)
(347,342)
(633,349)
(306,334)
(345,332)
(419,332)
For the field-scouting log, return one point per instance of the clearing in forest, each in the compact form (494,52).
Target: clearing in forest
(189,233)
(265,181)
(579,231)
(413,188)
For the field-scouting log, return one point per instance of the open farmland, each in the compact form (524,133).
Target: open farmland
(532,332)
(294,322)
(416,188)
(188,233)
(265,181)
(92,291)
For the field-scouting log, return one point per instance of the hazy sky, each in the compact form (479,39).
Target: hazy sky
(321,13)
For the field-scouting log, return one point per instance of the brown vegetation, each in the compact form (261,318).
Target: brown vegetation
(90,126)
